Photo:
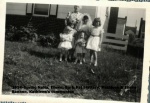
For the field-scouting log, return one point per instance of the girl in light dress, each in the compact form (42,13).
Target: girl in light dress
(80,49)
(71,23)
(95,40)
(65,42)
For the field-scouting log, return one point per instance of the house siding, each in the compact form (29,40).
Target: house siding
(29,8)
(134,16)
(103,13)
(64,9)
(59,12)
(53,10)
(16,8)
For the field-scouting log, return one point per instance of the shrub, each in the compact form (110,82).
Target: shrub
(136,48)
(10,32)
(23,33)
(29,33)
(48,40)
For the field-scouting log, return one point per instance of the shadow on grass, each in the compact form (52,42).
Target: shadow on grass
(135,51)
(43,55)
(53,55)
(41,52)
(132,51)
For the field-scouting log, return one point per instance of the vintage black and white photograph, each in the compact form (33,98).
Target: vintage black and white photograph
(74,51)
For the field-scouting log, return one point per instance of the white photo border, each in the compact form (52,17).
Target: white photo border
(33,99)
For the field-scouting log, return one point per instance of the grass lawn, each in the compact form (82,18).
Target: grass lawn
(27,64)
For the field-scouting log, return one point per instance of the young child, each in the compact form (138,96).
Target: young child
(65,42)
(80,49)
(71,24)
(95,40)
(84,25)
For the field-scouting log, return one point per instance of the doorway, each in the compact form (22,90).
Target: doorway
(113,20)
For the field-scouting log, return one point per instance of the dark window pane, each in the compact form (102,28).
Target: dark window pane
(41,9)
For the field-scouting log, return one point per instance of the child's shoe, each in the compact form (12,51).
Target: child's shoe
(69,57)
(91,63)
(95,64)
(66,60)
(80,62)
(83,60)
(92,71)
(60,59)
(76,61)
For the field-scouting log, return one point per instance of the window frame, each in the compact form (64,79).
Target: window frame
(33,14)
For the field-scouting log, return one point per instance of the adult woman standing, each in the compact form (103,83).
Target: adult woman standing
(74,16)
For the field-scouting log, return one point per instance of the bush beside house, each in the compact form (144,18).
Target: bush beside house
(26,28)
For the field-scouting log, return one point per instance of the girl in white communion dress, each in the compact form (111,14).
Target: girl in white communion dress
(95,40)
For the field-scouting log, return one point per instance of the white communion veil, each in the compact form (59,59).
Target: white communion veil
(90,20)
(89,23)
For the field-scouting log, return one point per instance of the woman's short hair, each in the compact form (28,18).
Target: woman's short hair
(97,20)
(78,6)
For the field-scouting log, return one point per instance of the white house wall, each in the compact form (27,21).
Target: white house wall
(90,10)
(134,16)
(29,8)
(64,9)
(103,13)
(53,9)
(16,8)
(122,12)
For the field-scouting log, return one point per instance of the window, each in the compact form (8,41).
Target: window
(41,10)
